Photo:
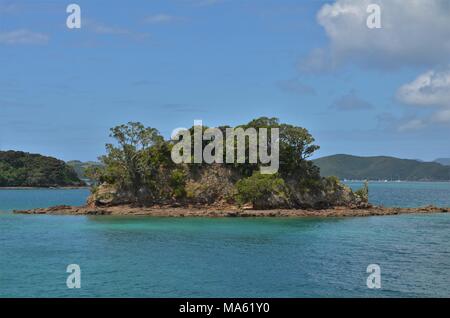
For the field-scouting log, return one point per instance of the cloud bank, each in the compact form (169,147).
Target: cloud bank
(23,37)
(432,90)
(415,32)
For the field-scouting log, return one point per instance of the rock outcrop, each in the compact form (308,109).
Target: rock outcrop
(169,211)
(215,186)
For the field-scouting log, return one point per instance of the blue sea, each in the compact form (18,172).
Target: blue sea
(226,257)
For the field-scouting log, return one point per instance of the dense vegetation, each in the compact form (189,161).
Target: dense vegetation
(81,167)
(21,169)
(381,168)
(138,169)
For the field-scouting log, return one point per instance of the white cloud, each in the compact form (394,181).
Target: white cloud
(406,122)
(161,18)
(442,116)
(103,29)
(414,124)
(23,36)
(207,2)
(415,32)
(430,89)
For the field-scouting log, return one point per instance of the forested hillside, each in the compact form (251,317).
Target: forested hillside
(21,169)
(381,168)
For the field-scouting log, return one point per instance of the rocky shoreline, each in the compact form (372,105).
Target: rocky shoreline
(46,188)
(170,211)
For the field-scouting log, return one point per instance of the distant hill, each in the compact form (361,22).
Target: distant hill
(22,169)
(80,167)
(443,161)
(381,168)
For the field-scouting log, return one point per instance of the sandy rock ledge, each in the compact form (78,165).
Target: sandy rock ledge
(168,211)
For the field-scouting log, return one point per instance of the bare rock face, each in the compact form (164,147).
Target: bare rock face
(324,196)
(211,185)
(108,195)
(342,195)
(272,201)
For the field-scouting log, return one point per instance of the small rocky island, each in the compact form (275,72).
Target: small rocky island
(139,177)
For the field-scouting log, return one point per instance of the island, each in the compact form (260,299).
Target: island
(25,170)
(138,176)
(382,168)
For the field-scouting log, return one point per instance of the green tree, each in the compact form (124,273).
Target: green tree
(258,187)
(296,146)
(126,164)
(363,193)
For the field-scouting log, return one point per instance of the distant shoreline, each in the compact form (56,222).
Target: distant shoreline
(394,181)
(45,188)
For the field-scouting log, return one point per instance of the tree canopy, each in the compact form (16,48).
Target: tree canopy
(21,169)
(139,161)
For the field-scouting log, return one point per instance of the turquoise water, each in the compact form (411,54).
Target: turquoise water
(40,198)
(224,257)
(407,194)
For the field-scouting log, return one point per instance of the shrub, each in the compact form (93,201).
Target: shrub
(259,186)
(363,193)
(178,183)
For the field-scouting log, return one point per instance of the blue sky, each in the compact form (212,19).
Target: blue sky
(167,63)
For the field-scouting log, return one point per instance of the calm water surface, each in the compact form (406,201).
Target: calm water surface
(207,257)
